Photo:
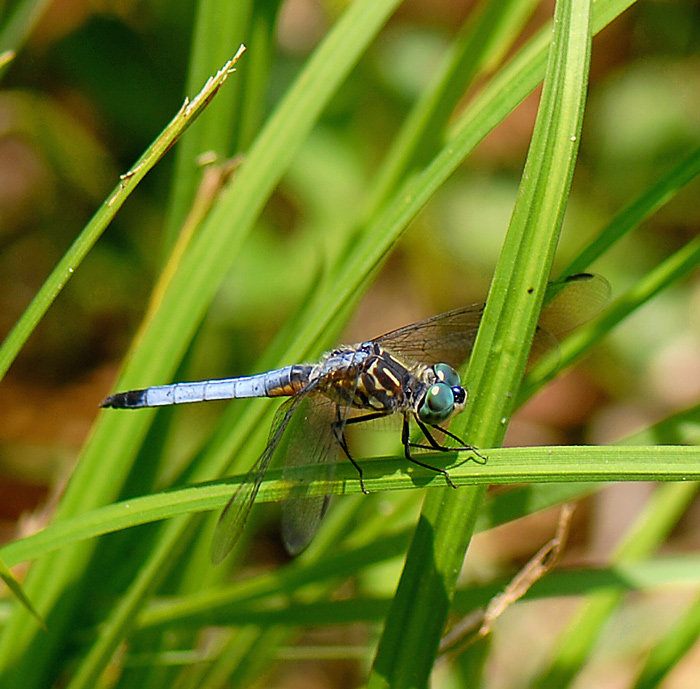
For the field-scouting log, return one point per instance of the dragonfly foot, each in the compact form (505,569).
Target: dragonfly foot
(363,487)
(476,452)
(449,480)
(482,459)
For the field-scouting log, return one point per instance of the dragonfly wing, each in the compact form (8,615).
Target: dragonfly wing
(311,441)
(573,301)
(568,303)
(449,337)
(233,518)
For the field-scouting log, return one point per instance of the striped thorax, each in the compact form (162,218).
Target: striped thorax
(367,376)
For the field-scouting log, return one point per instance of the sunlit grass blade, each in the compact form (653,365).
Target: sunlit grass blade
(94,229)
(414,626)
(6,58)
(505,466)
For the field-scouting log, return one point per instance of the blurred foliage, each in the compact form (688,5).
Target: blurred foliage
(93,86)
(95,82)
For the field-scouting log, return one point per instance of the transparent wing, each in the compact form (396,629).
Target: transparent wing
(315,439)
(311,442)
(573,301)
(567,304)
(449,337)
(233,518)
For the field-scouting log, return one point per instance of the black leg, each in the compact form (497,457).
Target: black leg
(339,432)
(338,427)
(366,417)
(407,445)
(435,445)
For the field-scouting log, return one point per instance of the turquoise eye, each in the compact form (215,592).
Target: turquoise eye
(446,374)
(438,403)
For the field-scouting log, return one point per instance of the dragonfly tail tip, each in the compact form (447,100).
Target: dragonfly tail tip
(125,400)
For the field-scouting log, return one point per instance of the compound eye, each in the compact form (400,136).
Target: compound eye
(438,404)
(446,374)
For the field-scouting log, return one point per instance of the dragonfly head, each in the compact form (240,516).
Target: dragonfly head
(445,395)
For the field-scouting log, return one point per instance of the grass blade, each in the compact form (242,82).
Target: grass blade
(94,229)
(411,636)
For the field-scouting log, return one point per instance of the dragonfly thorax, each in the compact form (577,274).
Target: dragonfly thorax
(367,376)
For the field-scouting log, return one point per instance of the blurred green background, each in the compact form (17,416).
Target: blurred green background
(96,82)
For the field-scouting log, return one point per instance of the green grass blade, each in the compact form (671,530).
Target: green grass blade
(193,285)
(505,466)
(411,636)
(218,26)
(641,209)
(99,222)
(244,659)
(576,643)
(683,427)
(24,17)
(18,592)
(6,57)
(671,649)
(675,267)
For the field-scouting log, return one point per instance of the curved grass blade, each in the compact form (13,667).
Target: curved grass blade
(412,632)
(93,230)
(16,588)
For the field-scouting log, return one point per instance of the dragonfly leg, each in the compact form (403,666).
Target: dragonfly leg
(407,445)
(435,445)
(338,427)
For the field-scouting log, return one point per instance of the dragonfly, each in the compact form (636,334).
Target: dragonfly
(408,373)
